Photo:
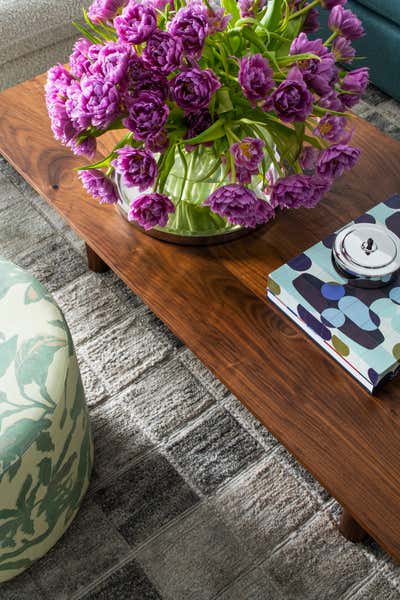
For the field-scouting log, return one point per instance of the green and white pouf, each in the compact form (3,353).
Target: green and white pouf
(46,449)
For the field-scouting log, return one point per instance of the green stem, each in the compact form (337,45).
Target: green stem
(304,10)
(189,174)
(229,156)
(270,151)
(331,38)
(185,171)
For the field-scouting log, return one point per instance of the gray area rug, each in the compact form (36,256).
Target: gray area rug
(191,498)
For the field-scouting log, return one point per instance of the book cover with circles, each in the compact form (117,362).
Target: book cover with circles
(358,326)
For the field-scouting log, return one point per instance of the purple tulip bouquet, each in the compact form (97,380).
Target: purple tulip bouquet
(227,112)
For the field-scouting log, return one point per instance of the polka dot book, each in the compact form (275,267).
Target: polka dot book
(358,327)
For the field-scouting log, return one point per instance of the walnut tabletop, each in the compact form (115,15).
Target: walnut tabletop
(213,298)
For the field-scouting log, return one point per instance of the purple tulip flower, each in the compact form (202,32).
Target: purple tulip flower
(255,77)
(217,18)
(298,191)
(343,50)
(61,123)
(104,10)
(147,115)
(86,148)
(112,61)
(236,203)
(292,100)
(190,25)
(58,81)
(197,122)
(309,157)
(136,166)
(99,186)
(192,88)
(318,74)
(79,60)
(333,129)
(264,212)
(331,101)
(328,4)
(321,185)
(354,84)
(301,44)
(151,210)
(158,142)
(97,103)
(346,23)
(74,107)
(163,51)
(248,154)
(337,159)
(136,23)
(140,78)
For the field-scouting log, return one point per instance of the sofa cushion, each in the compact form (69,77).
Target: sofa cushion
(380,47)
(29,25)
(386,8)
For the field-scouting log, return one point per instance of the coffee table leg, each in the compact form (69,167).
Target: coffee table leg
(350,529)
(95,263)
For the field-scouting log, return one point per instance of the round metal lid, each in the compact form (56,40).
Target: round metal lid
(368,251)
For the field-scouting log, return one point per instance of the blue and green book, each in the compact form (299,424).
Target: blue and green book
(358,327)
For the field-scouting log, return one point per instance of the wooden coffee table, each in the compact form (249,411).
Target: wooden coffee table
(213,299)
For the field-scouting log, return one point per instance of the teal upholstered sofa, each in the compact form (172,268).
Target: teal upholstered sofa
(381,44)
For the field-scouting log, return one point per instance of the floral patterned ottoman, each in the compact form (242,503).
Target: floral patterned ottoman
(46,450)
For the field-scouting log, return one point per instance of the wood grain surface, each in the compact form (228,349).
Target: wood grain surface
(213,298)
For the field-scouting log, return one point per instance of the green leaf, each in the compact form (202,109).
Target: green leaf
(8,351)
(104,162)
(44,442)
(223,101)
(252,37)
(273,15)
(319,110)
(232,8)
(165,166)
(299,128)
(287,60)
(214,132)
(87,34)
(98,29)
